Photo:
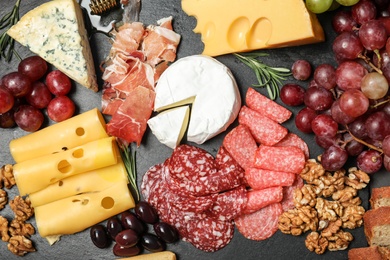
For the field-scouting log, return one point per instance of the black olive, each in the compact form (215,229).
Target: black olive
(166,232)
(99,236)
(152,243)
(146,212)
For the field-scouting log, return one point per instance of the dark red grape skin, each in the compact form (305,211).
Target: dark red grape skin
(338,115)
(301,69)
(304,118)
(7,100)
(349,74)
(60,108)
(358,127)
(378,125)
(369,161)
(28,118)
(325,76)
(318,98)
(58,83)
(347,46)
(334,158)
(363,11)
(18,84)
(292,94)
(324,125)
(373,35)
(33,67)
(386,162)
(342,21)
(7,119)
(39,96)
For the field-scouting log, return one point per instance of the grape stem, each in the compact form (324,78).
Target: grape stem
(373,147)
(367,60)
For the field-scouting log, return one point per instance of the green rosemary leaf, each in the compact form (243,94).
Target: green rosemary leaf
(6,42)
(269,77)
(129,161)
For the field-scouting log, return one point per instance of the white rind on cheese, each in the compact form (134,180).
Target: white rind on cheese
(55,31)
(170,125)
(209,86)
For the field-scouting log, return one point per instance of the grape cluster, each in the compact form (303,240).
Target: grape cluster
(347,107)
(321,6)
(130,232)
(27,92)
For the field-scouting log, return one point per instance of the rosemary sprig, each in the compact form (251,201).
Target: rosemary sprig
(269,77)
(6,42)
(128,158)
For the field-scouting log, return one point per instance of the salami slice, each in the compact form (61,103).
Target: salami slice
(283,158)
(150,178)
(259,179)
(292,139)
(229,204)
(288,193)
(240,143)
(264,130)
(261,224)
(258,199)
(266,106)
(226,163)
(209,234)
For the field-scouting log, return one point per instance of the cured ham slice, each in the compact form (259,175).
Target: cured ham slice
(130,121)
(136,60)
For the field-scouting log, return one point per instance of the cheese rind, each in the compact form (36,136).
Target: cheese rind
(75,131)
(55,31)
(36,174)
(92,181)
(170,125)
(76,213)
(211,88)
(249,25)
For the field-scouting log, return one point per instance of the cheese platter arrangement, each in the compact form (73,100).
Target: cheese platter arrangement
(186,129)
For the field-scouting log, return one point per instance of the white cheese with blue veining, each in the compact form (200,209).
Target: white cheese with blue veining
(55,31)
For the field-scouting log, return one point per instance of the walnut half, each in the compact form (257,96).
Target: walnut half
(4,229)
(22,228)
(6,176)
(22,208)
(20,245)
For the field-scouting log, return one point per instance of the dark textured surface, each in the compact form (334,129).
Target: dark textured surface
(151,152)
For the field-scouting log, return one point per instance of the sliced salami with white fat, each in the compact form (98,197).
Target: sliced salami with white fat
(261,224)
(259,179)
(258,199)
(292,139)
(288,193)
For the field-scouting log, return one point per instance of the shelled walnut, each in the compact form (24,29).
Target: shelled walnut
(21,208)
(3,199)
(4,229)
(298,220)
(357,179)
(22,228)
(316,243)
(7,178)
(20,245)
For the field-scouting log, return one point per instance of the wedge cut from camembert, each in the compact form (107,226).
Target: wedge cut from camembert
(210,88)
(170,125)
(55,31)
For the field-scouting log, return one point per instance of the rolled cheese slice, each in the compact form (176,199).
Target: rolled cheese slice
(36,174)
(170,125)
(76,213)
(164,255)
(209,86)
(92,181)
(75,131)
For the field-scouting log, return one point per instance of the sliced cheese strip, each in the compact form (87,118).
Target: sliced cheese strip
(55,31)
(170,125)
(76,213)
(211,88)
(92,181)
(36,174)
(164,255)
(75,131)
(249,25)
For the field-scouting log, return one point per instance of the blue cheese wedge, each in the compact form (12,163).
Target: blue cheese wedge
(210,88)
(55,31)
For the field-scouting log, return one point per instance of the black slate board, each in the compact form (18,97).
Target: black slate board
(151,152)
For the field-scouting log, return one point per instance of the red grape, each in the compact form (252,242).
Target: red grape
(354,103)
(58,83)
(378,125)
(386,162)
(347,45)
(60,108)
(349,74)
(338,115)
(369,161)
(318,98)
(353,147)
(386,145)
(342,21)
(326,142)
(7,119)
(28,118)
(325,76)
(17,83)
(363,11)
(358,128)
(39,96)
(33,67)
(374,85)
(7,100)
(301,70)
(304,118)
(292,94)
(373,35)
(324,125)
(334,158)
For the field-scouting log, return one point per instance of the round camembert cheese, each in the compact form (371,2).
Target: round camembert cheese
(208,86)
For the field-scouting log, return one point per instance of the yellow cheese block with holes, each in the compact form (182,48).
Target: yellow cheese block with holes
(38,173)
(228,26)
(76,213)
(75,131)
(92,181)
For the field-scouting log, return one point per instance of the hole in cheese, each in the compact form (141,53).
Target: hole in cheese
(82,202)
(64,166)
(237,32)
(80,131)
(108,202)
(78,153)
(260,33)
(60,183)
